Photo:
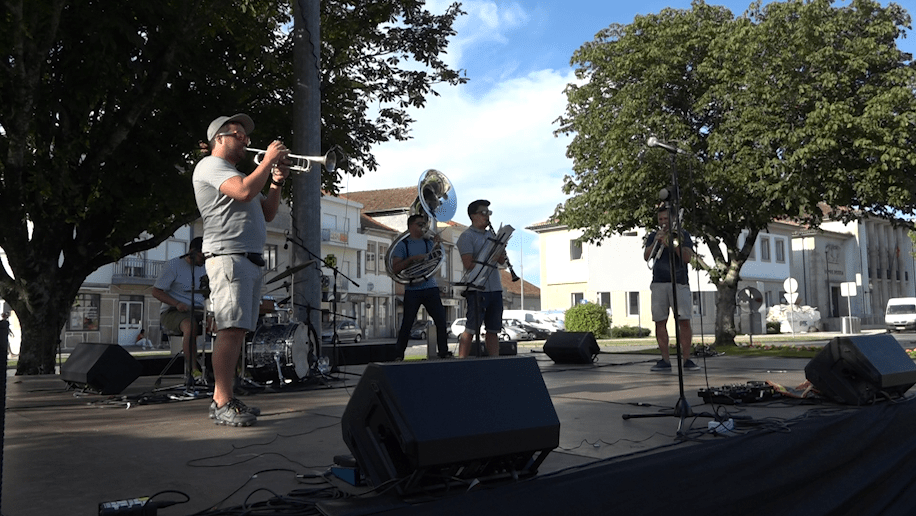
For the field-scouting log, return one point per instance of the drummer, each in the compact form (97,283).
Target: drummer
(173,289)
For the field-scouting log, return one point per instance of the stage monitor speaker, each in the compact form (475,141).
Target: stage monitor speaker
(857,369)
(433,423)
(571,347)
(104,368)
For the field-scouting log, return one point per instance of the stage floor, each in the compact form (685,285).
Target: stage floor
(65,451)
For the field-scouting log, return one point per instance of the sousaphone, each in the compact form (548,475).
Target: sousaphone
(437,200)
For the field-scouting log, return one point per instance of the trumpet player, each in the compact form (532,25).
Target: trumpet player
(414,249)
(235,215)
(658,246)
(486,306)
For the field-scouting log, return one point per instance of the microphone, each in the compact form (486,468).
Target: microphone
(654,142)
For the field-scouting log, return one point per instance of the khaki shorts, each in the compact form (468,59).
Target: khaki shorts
(663,302)
(171,320)
(235,291)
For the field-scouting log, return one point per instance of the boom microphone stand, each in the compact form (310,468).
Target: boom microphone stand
(334,337)
(682,408)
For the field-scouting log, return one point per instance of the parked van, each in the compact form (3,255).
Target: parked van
(901,314)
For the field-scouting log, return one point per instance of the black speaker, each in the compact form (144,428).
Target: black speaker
(105,368)
(856,369)
(571,347)
(433,423)
(507,348)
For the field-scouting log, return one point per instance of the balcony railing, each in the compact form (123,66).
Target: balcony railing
(136,271)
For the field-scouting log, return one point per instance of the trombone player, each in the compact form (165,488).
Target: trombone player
(412,250)
(485,306)
(658,247)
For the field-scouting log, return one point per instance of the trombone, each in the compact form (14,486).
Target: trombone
(302,163)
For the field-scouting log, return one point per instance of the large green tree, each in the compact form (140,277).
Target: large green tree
(102,106)
(792,106)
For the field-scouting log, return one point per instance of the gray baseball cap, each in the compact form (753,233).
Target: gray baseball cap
(241,118)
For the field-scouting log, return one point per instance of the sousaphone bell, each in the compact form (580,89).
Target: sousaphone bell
(436,199)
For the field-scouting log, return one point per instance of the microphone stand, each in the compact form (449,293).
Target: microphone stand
(682,408)
(334,337)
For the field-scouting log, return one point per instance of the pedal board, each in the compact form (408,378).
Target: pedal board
(751,392)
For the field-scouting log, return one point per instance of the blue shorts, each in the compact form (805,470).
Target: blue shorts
(490,310)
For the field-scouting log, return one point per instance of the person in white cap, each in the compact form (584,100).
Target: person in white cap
(235,213)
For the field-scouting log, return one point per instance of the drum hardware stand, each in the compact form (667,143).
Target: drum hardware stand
(682,408)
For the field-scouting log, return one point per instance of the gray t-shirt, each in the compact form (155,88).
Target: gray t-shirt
(472,242)
(230,226)
(175,279)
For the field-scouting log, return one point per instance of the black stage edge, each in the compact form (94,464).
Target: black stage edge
(348,355)
(359,354)
(856,461)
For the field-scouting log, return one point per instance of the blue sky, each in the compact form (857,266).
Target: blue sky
(493,137)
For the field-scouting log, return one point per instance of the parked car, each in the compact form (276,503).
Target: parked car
(420,329)
(346,331)
(536,333)
(507,332)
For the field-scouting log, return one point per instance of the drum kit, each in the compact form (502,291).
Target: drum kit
(280,349)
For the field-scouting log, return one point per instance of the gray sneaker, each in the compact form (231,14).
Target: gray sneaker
(661,365)
(234,413)
(255,411)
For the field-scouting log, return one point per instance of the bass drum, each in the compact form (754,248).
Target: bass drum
(281,352)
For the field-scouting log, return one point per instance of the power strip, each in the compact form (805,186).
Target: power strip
(134,506)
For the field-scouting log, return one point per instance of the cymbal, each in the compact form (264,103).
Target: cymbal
(290,271)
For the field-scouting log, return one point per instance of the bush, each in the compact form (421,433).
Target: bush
(588,317)
(620,332)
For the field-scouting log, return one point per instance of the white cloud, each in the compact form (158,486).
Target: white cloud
(494,144)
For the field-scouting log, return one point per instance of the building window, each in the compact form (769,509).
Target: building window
(270,257)
(780,250)
(577,298)
(765,249)
(604,299)
(632,303)
(84,314)
(380,258)
(370,257)
(768,298)
(359,264)
(575,250)
(697,303)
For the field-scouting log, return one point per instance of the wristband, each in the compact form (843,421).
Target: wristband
(278,183)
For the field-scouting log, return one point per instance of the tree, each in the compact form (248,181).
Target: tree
(102,106)
(791,107)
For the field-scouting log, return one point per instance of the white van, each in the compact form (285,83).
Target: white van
(901,314)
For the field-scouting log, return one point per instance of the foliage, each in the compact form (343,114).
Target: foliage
(588,317)
(629,331)
(102,106)
(793,105)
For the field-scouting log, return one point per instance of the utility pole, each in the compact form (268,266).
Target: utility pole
(306,209)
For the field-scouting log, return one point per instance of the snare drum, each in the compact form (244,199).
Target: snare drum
(281,352)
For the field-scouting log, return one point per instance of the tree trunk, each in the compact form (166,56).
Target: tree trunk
(41,330)
(725,313)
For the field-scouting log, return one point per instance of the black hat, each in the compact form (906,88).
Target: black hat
(476,205)
(197,243)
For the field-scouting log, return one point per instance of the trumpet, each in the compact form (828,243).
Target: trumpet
(657,247)
(302,163)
